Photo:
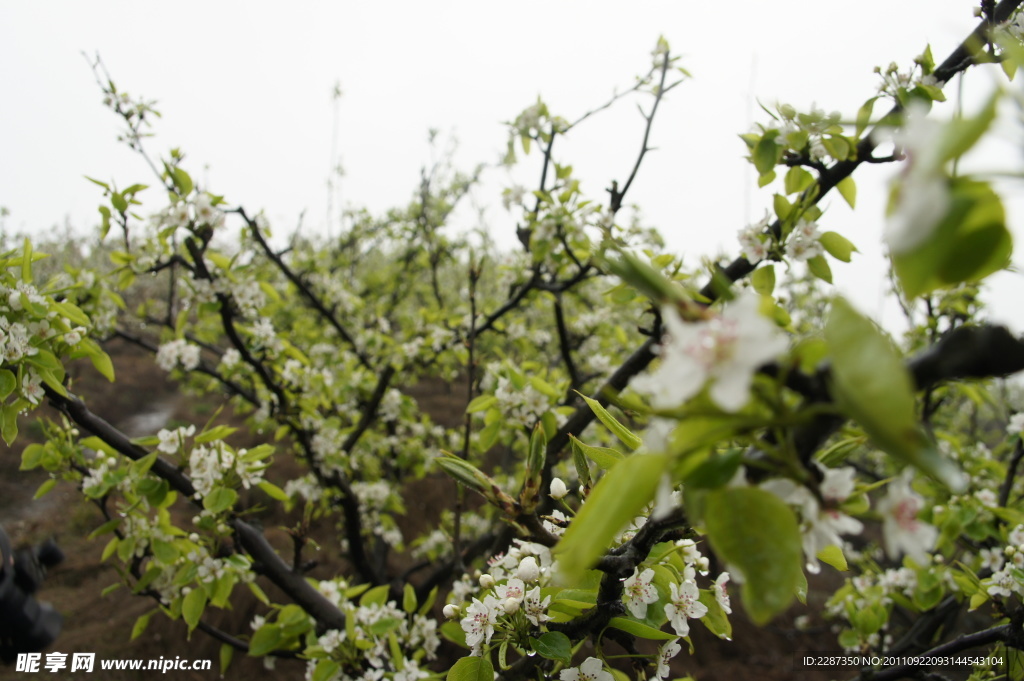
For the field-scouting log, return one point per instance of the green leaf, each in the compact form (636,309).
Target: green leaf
(715,619)
(9,423)
(763,279)
(616,499)
(378,595)
(181,180)
(833,555)
(44,488)
(848,190)
(765,154)
(272,490)
(481,403)
(968,244)
(26,261)
(625,435)
(409,598)
(962,133)
(757,532)
(716,471)
(640,629)
(554,645)
(872,386)
(818,266)
(264,640)
(472,669)
(326,670)
(100,360)
(864,115)
(8,382)
(119,203)
(192,607)
(227,652)
(140,625)
(604,457)
(838,246)
(797,180)
(220,499)
(216,433)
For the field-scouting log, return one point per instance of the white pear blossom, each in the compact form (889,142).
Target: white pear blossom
(512,589)
(684,605)
(903,532)
(528,570)
(535,608)
(640,592)
(721,595)
(755,248)
(558,489)
(922,200)
(479,622)
(176,352)
(1016,424)
(665,655)
(173,440)
(591,670)
(725,350)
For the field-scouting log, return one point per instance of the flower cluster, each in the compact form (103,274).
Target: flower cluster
(178,352)
(213,464)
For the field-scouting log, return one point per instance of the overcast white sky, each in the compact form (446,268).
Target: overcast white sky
(245,90)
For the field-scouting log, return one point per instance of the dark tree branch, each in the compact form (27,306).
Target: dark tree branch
(305,290)
(251,539)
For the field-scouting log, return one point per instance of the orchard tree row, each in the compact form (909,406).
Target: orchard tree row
(645,436)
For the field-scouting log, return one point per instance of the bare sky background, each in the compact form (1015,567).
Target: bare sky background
(245,89)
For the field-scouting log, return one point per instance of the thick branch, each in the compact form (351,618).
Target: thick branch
(251,539)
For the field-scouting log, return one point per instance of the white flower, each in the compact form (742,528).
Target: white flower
(721,595)
(510,605)
(987,498)
(903,532)
(755,249)
(725,350)
(685,605)
(451,611)
(665,655)
(1016,424)
(640,592)
(172,440)
(528,570)
(1003,584)
(534,607)
(1016,536)
(922,199)
(513,588)
(991,559)
(32,387)
(558,489)
(590,670)
(479,622)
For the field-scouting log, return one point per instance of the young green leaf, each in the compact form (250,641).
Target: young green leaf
(616,499)
(758,533)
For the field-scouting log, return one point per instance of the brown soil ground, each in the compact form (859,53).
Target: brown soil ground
(103,624)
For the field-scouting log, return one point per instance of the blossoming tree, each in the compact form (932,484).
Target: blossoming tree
(666,431)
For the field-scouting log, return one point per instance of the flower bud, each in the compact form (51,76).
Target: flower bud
(486,581)
(558,489)
(510,605)
(451,611)
(528,570)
